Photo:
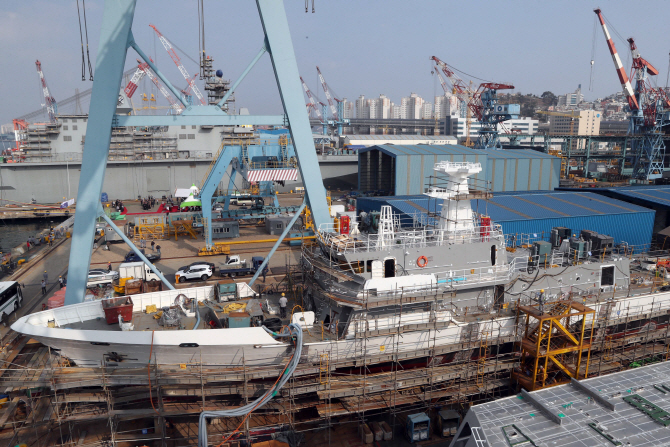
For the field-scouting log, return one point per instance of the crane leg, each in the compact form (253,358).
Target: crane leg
(114,37)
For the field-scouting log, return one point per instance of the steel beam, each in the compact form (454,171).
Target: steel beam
(280,47)
(210,184)
(114,37)
(242,76)
(153,66)
(137,251)
(265,262)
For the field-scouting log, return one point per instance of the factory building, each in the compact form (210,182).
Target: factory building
(405,170)
(536,214)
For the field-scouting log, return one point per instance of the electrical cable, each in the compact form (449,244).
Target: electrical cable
(289,331)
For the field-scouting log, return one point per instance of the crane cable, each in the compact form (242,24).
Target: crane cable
(593,50)
(88,56)
(81,39)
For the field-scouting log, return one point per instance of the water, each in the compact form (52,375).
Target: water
(13,234)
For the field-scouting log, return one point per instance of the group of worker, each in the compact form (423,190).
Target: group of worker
(147,203)
(118,205)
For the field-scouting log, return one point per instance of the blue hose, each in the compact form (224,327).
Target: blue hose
(292,329)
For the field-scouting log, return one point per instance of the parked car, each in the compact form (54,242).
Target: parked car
(131,256)
(101,276)
(195,264)
(200,271)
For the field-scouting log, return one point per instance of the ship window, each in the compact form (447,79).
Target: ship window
(493,255)
(191,136)
(65,128)
(182,136)
(67,137)
(74,127)
(369,266)
(607,276)
(389,268)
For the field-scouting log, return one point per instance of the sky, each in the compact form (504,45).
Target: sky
(368,47)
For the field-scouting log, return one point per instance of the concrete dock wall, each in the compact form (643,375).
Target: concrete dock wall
(50,182)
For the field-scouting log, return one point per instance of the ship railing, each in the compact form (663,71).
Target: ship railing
(406,238)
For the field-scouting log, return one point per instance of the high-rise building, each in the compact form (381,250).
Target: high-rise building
(415,108)
(426,111)
(396,111)
(347,108)
(360,107)
(383,107)
(446,105)
(587,124)
(571,99)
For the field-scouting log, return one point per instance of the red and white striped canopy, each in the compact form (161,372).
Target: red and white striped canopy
(266,175)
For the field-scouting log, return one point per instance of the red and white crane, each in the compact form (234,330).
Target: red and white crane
(134,81)
(621,72)
(176,105)
(329,97)
(312,102)
(180,65)
(49,101)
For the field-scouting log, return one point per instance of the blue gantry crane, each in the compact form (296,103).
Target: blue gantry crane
(116,38)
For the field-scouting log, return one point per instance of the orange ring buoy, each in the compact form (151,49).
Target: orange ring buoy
(422,261)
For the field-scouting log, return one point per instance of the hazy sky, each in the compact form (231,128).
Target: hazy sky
(362,46)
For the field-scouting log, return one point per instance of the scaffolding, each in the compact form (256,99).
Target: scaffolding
(54,403)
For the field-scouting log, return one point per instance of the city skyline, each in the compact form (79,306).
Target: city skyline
(358,53)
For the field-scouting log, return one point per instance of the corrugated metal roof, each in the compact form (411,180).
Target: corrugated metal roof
(539,212)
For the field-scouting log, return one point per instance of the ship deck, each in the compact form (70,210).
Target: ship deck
(143,321)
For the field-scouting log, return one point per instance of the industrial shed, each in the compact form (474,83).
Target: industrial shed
(656,198)
(405,170)
(537,213)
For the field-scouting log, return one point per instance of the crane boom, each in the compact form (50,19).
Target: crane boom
(49,101)
(329,97)
(621,72)
(460,88)
(312,101)
(174,104)
(180,65)
(134,82)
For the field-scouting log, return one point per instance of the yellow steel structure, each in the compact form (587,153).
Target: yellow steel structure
(555,346)
(183,227)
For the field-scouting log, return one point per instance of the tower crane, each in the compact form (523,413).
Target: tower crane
(483,103)
(49,101)
(648,109)
(312,102)
(180,65)
(329,97)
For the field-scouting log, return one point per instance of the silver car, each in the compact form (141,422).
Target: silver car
(101,276)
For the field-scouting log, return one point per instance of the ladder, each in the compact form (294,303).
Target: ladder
(324,368)
(481,362)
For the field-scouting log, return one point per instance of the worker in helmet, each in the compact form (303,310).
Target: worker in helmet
(282,305)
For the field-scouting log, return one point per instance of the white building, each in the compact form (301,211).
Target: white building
(383,107)
(347,108)
(427,111)
(361,110)
(458,128)
(446,105)
(571,99)
(524,125)
(374,140)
